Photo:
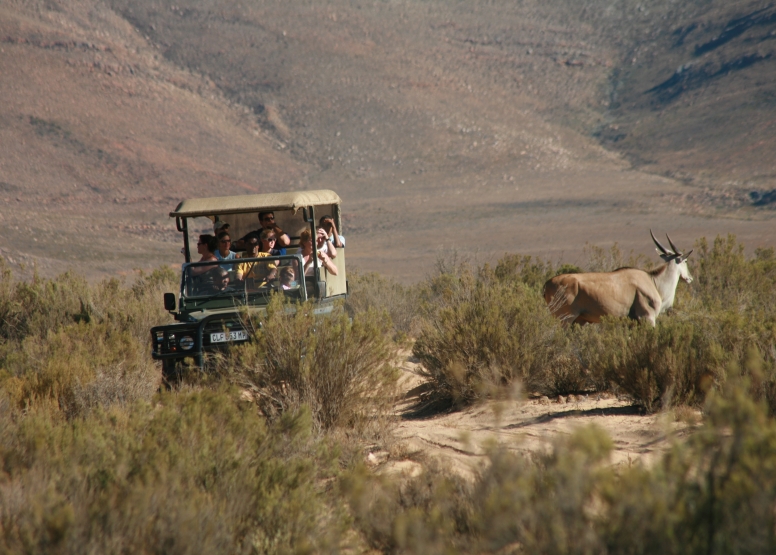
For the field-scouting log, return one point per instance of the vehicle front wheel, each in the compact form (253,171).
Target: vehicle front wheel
(172,370)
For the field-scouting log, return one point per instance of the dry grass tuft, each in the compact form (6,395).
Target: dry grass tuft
(480,334)
(77,345)
(372,291)
(343,370)
(483,330)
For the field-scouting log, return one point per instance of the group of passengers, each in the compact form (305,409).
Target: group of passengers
(269,240)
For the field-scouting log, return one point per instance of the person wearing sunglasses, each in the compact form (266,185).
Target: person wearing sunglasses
(224,245)
(206,247)
(267,220)
(267,242)
(257,271)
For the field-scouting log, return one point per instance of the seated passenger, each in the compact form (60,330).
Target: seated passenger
(327,223)
(224,244)
(309,254)
(268,240)
(220,226)
(206,247)
(323,245)
(287,278)
(267,220)
(258,271)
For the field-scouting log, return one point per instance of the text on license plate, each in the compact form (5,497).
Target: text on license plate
(222,337)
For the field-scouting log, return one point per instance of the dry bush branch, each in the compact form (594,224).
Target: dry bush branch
(343,371)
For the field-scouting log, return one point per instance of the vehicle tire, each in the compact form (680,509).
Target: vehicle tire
(172,371)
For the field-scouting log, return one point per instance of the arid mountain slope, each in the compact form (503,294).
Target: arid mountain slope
(101,137)
(476,126)
(392,78)
(696,99)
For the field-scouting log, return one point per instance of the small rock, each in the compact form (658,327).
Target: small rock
(371,459)
(561,399)
(571,399)
(544,400)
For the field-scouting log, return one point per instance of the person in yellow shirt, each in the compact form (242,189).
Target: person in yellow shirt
(259,272)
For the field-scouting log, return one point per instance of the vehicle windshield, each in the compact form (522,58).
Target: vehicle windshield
(242,277)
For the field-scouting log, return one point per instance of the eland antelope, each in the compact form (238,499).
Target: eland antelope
(637,294)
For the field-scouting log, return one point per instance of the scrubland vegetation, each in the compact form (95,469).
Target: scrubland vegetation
(487,327)
(264,454)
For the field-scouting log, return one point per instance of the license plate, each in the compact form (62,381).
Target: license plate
(223,337)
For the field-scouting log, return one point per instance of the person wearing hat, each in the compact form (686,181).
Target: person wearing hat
(220,226)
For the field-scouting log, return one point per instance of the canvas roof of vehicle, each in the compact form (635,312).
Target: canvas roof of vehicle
(214,206)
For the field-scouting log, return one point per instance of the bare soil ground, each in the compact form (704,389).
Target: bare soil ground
(526,425)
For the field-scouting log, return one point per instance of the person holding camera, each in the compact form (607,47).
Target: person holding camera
(333,236)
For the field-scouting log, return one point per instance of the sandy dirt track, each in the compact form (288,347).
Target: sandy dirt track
(525,426)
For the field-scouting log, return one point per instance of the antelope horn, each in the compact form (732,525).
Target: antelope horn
(686,256)
(672,245)
(659,246)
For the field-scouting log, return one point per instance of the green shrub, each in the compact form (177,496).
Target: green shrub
(481,334)
(427,514)
(371,291)
(81,367)
(527,270)
(713,493)
(342,370)
(198,472)
(515,504)
(678,361)
(484,330)
(726,319)
(79,345)
(41,305)
(728,280)
(602,260)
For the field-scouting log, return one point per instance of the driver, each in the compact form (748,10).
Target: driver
(219,282)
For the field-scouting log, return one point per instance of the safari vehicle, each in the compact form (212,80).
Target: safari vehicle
(214,295)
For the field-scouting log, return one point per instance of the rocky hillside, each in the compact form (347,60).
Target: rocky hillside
(516,119)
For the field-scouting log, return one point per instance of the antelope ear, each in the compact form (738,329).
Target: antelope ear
(686,256)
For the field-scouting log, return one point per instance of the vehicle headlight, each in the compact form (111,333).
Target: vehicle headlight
(186,342)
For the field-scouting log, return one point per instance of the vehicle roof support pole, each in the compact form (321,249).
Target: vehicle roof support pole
(183,226)
(311,221)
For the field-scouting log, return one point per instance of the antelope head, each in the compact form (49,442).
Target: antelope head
(675,256)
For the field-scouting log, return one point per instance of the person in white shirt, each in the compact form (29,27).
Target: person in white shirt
(322,244)
(327,223)
(309,254)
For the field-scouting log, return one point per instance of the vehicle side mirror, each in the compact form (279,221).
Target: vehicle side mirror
(322,289)
(169,302)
